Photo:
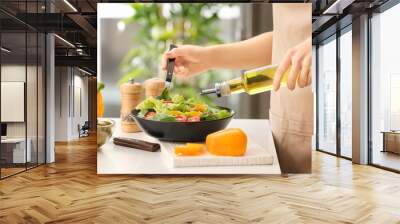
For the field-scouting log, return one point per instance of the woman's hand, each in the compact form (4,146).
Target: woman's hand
(189,60)
(298,59)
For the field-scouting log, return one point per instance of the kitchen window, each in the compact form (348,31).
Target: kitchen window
(385,89)
(326,100)
(334,94)
(345,108)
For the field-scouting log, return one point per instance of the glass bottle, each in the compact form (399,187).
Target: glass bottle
(252,82)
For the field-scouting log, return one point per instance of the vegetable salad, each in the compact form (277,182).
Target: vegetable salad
(177,108)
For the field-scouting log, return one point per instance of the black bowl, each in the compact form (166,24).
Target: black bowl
(182,131)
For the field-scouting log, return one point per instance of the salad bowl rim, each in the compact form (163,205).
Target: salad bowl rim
(135,112)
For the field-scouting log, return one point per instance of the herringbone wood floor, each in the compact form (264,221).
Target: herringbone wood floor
(69,191)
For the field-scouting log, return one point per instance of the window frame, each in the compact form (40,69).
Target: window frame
(334,37)
(340,31)
(381,9)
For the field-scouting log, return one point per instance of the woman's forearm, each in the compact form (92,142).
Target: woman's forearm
(245,54)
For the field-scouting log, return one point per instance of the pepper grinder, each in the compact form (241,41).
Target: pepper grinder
(154,87)
(131,95)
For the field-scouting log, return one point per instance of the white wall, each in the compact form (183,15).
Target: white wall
(61,103)
(12,73)
(79,117)
(70,83)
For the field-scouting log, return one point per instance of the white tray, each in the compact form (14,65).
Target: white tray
(255,155)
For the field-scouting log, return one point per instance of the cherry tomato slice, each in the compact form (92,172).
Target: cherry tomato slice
(181,118)
(149,115)
(193,119)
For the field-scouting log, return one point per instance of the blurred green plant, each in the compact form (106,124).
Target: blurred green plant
(162,24)
(100,86)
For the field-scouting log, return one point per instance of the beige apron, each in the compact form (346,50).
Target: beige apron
(291,112)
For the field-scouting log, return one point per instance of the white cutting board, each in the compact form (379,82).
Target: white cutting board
(255,155)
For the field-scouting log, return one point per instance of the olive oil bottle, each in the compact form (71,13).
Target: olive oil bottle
(252,82)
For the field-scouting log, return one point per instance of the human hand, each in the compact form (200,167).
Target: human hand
(189,60)
(298,59)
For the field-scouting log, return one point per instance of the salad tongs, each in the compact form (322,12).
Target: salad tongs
(170,69)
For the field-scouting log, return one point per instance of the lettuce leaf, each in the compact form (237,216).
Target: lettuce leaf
(222,114)
(163,117)
(164,95)
(178,99)
(150,103)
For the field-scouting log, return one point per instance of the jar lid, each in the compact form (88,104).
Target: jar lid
(134,87)
(154,83)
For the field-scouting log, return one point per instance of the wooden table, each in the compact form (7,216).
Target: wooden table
(113,159)
(391,141)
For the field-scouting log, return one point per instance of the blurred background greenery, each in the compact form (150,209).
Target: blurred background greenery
(164,24)
(133,36)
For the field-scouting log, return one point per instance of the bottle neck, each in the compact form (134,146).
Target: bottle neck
(222,89)
(236,85)
(229,87)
